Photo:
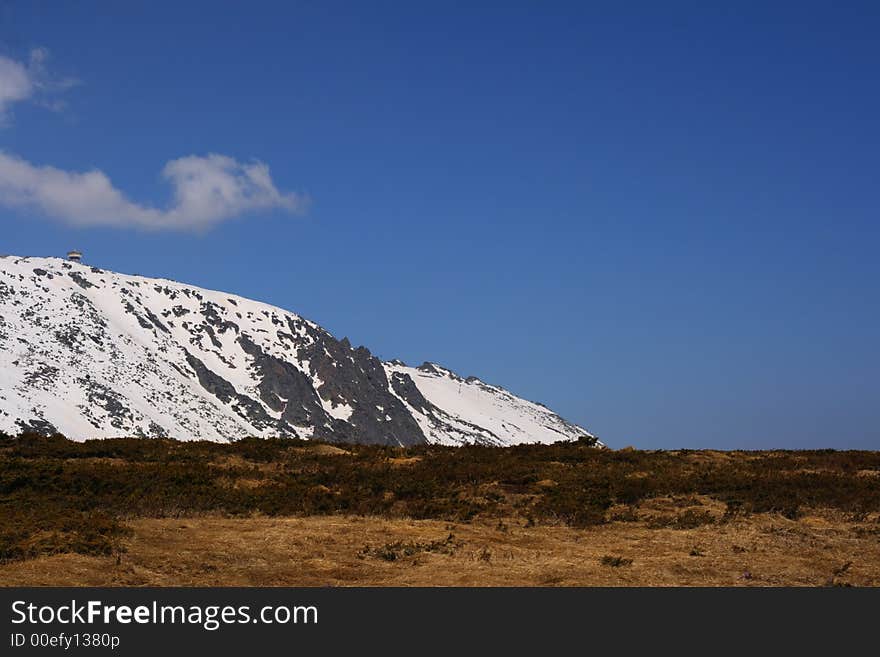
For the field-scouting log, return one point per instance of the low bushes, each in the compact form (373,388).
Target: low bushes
(57,495)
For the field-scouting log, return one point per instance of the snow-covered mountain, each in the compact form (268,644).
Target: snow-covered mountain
(92,354)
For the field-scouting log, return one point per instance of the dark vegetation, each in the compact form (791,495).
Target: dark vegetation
(400,549)
(615,562)
(61,496)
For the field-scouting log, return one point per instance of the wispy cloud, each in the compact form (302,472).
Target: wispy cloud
(30,80)
(206,190)
(15,85)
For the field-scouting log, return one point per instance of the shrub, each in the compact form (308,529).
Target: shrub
(60,495)
(615,562)
(400,549)
(689,519)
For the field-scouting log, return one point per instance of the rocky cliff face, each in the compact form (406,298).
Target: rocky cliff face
(93,353)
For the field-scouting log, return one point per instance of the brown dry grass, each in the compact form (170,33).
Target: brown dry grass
(758,550)
(288,512)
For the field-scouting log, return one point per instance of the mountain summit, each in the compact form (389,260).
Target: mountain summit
(93,354)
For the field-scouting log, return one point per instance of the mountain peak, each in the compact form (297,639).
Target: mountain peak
(92,353)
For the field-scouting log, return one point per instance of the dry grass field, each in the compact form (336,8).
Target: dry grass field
(284,513)
(763,550)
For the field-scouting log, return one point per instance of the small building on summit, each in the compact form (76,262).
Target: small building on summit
(74,256)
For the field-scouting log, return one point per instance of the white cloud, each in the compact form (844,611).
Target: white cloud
(206,191)
(30,81)
(15,85)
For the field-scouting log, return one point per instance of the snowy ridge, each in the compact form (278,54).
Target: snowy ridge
(93,354)
(471,411)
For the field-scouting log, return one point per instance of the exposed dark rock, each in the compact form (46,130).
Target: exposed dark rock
(210,311)
(156,430)
(111,401)
(140,318)
(214,341)
(357,378)
(226,393)
(36,425)
(43,377)
(282,381)
(212,382)
(406,389)
(80,280)
(70,337)
(156,322)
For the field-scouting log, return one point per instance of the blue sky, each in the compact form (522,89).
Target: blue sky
(661,219)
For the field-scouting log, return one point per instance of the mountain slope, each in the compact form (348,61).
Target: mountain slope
(93,353)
